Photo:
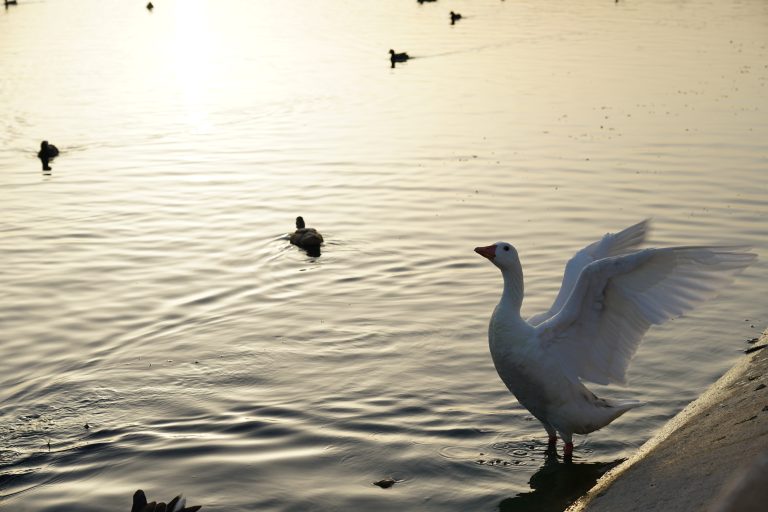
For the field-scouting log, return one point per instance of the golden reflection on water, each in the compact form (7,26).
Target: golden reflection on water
(193,51)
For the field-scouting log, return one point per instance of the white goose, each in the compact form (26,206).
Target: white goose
(611,294)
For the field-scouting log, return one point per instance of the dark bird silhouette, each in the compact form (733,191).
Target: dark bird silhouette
(423,1)
(150,6)
(9,2)
(397,57)
(306,238)
(47,153)
(177,504)
(455,17)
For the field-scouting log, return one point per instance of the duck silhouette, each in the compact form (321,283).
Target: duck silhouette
(47,153)
(455,17)
(150,6)
(397,57)
(306,238)
(177,504)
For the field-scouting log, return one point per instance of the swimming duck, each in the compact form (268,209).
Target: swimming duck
(177,504)
(304,237)
(611,294)
(397,57)
(455,17)
(47,152)
(150,6)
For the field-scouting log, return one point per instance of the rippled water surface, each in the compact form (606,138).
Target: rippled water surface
(150,293)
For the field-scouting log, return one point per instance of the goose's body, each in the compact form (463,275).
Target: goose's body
(611,294)
(561,404)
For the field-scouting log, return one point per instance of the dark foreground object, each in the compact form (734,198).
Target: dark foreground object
(177,504)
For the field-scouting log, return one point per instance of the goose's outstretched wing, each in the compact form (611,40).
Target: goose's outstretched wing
(612,244)
(615,301)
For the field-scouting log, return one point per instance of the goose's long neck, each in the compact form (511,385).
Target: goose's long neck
(512,296)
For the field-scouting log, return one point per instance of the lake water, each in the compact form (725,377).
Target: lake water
(149,291)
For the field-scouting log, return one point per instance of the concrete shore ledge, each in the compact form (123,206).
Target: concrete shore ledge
(712,456)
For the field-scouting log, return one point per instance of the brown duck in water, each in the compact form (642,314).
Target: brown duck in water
(304,237)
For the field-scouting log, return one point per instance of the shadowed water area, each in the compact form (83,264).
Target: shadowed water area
(149,290)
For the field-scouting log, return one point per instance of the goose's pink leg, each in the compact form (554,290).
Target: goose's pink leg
(552,435)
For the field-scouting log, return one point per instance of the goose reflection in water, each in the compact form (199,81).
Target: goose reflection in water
(557,485)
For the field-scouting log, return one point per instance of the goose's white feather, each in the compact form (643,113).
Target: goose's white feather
(612,244)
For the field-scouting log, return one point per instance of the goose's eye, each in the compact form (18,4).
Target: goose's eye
(506,247)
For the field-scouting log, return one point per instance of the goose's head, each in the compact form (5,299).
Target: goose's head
(300,222)
(501,254)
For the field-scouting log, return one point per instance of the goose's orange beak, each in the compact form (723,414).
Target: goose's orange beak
(487,252)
